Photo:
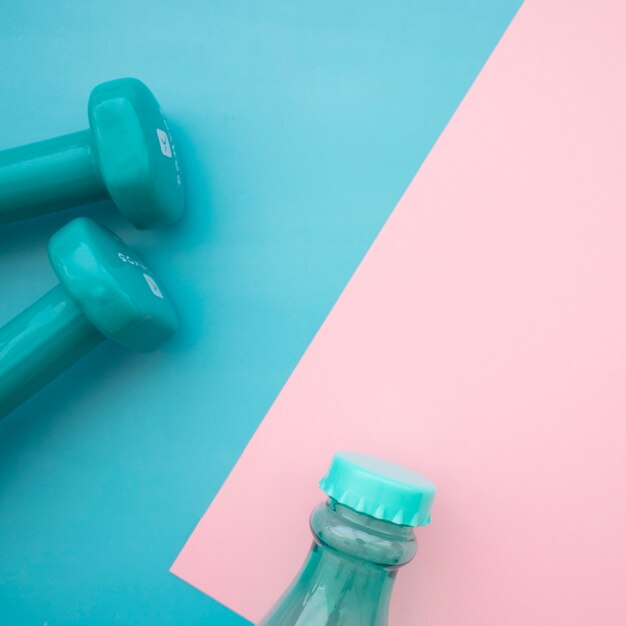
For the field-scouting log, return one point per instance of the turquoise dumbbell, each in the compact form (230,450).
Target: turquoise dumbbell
(104,291)
(127,154)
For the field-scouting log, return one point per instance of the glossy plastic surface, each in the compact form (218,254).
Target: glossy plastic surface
(48,175)
(128,154)
(105,291)
(136,153)
(380,489)
(348,575)
(112,286)
(39,344)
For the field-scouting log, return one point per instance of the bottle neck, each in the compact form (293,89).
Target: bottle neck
(349,573)
(352,535)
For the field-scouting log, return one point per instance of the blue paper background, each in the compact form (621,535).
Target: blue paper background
(299,126)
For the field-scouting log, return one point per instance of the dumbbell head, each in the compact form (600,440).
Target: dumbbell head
(135,153)
(114,289)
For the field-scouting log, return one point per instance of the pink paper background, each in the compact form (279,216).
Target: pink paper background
(482,342)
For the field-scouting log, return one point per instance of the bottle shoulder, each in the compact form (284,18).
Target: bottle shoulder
(330,592)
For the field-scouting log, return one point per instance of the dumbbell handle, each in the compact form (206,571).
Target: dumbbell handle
(49,175)
(40,343)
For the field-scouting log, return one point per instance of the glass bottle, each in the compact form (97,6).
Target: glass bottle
(361,536)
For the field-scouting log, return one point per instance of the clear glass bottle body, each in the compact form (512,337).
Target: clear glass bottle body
(348,575)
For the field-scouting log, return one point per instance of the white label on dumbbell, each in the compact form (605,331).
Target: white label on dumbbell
(153,286)
(164,143)
(127,259)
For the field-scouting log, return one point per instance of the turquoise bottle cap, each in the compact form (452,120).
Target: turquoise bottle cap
(379,489)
